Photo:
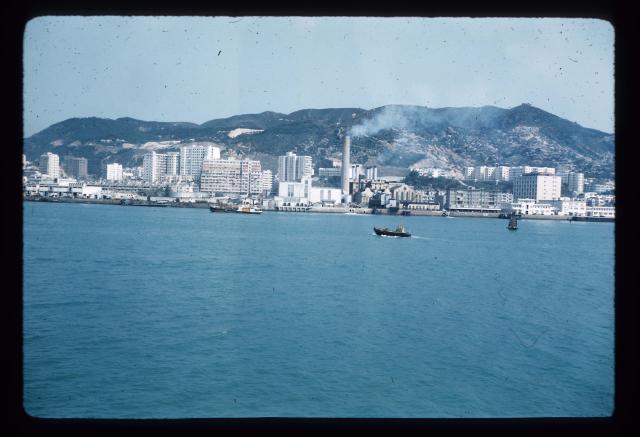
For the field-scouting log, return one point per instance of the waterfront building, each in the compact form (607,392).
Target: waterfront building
(154,167)
(304,193)
(363,197)
(569,207)
(601,211)
(294,190)
(231,177)
(76,167)
(380,199)
(528,207)
(575,183)
(476,200)
(50,165)
(423,206)
(294,168)
(114,172)
(193,155)
(537,186)
(330,172)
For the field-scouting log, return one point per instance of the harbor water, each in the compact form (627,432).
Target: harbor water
(182,313)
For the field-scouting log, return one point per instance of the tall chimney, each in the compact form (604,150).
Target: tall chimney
(346,166)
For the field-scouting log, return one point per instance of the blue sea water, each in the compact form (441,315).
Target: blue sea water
(136,312)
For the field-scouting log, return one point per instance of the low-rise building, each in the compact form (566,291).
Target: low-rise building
(568,207)
(601,211)
(528,207)
(330,172)
(423,206)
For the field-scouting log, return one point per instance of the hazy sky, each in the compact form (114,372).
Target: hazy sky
(201,68)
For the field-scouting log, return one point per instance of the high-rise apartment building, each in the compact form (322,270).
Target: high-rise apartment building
(267,181)
(575,182)
(114,172)
(50,165)
(76,167)
(193,155)
(231,177)
(292,167)
(537,186)
(173,164)
(154,166)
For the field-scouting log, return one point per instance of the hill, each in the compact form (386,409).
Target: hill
(396,137)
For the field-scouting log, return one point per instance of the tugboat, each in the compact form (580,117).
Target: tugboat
(399,232)
(513,223)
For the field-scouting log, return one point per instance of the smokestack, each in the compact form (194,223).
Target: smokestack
(346,166)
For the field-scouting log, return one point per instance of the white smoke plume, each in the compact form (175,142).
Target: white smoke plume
(410,117)
(389,118)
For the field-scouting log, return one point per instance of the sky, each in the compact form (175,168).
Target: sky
(197,69)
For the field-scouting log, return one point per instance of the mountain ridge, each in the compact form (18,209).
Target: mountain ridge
(401,136)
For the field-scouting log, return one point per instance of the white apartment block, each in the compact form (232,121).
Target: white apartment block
(154,167)
(114,172)
(267,181)
(192,156)
(487,173)
(537,186)
(292,167)
(173,164)
(231,177)
(50,165)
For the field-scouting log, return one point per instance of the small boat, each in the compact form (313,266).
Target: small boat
(400,231)
(513,223)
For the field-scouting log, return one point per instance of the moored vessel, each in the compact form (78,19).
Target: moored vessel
(242,209)
(400,231)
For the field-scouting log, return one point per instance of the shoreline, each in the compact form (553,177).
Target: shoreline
(322,210)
